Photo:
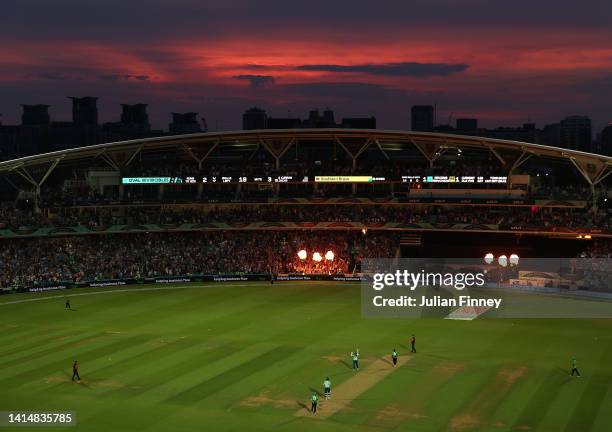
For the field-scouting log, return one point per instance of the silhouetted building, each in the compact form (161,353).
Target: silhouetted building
(359,122)
(605,141)
(283,123)
(526,133)
(33,136)
(85,130)
(185,123)
(135,115)
(469,127)
(85,110)
(551,135)
(422,118)
(316,120)
(445,128)
(467,124)
(65,134)
(575,133)
(37,134)
(254,118)
(134,124)
(9,148)
(35,115)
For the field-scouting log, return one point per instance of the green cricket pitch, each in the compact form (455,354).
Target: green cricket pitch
(249,356)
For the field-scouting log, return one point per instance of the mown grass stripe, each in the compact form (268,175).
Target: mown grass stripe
(284,322)
(30,340)
(131,358)
(174,366)
(16,333)
(24,356)
(227,322)
(101,311)
(65,363)
(589,404)
(186,303)
(173,384)
(592,398)
(537,406)
(483,405)
(231,377)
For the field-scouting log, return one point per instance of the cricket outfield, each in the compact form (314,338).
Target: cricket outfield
(248,356)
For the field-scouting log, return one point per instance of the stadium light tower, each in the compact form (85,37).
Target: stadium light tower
(489,258)
(302,254)
(317,257)
(329,256)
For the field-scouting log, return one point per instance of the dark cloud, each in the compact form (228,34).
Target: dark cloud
(124,77)
(260,67)
(54,76)
(256,81)
(392,69)
(83,74)
(348,90)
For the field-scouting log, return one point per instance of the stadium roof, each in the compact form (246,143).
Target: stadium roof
(277,142)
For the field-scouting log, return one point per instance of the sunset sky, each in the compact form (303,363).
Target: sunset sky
(501,61)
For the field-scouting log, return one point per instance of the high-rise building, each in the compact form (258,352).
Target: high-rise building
(135,115)
(551,135)
(316,120)
(254,118)
(185,123)
(9,148)
(85,111)
(422,117)
(33,136)
(134,124)
(35,115)
(467,124)
(359,122)
(605,141)
(575,133)
(283,123)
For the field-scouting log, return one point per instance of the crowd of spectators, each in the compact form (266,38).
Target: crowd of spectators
(28,262)
(598,249)
(12,217)
(594,264)
(513,217)
(39,261)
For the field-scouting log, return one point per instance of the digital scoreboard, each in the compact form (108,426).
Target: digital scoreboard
(269,179)
(151,180)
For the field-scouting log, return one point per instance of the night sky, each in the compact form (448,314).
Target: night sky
(501,61)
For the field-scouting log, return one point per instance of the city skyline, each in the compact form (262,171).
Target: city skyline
(504,64)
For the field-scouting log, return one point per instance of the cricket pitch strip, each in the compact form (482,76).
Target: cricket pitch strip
(351,389)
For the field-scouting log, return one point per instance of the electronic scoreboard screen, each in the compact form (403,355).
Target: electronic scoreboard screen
(229,179)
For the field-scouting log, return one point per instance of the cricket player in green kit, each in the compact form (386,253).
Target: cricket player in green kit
(355,359)
(574,368)
(394,357)
(327,388)
(314,399)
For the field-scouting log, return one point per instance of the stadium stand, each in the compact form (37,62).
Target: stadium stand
(201,204)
